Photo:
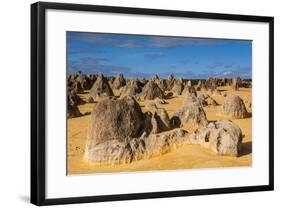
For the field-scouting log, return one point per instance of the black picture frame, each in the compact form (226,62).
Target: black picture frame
(38,105)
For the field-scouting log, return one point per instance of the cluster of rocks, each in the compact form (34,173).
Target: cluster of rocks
(156,87)
(130,134)
(80,82)
(236,83)
(211,83)
(120,132)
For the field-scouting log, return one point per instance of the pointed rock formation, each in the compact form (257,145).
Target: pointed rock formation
(211,84)
(170,81)
(189,91)
(178,87)
(192,113)
(233,107)
(119,82)
(151,91)
(132,88)
(101,88)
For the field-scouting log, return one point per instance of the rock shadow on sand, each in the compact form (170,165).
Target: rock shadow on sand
(245,149)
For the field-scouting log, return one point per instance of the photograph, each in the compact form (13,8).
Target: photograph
(157,103)
(131,103)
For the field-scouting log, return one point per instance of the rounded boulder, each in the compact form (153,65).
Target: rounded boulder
(115,119)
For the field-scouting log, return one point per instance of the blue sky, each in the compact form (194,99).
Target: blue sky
(144,56)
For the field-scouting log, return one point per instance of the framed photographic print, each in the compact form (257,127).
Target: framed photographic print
(134,103)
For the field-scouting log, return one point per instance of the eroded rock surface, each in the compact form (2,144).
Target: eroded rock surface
(222,137)
(189,91)
(121,133)
(132,88)
(151,91)
(115,119)
(207,100)
(119,81)
(73,100)
(146,146)
(177,87)
(101,88)
(192,113)
(233,107)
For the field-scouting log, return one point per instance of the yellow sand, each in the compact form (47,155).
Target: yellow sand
(185,157)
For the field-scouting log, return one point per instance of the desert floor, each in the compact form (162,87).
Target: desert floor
(185,157)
